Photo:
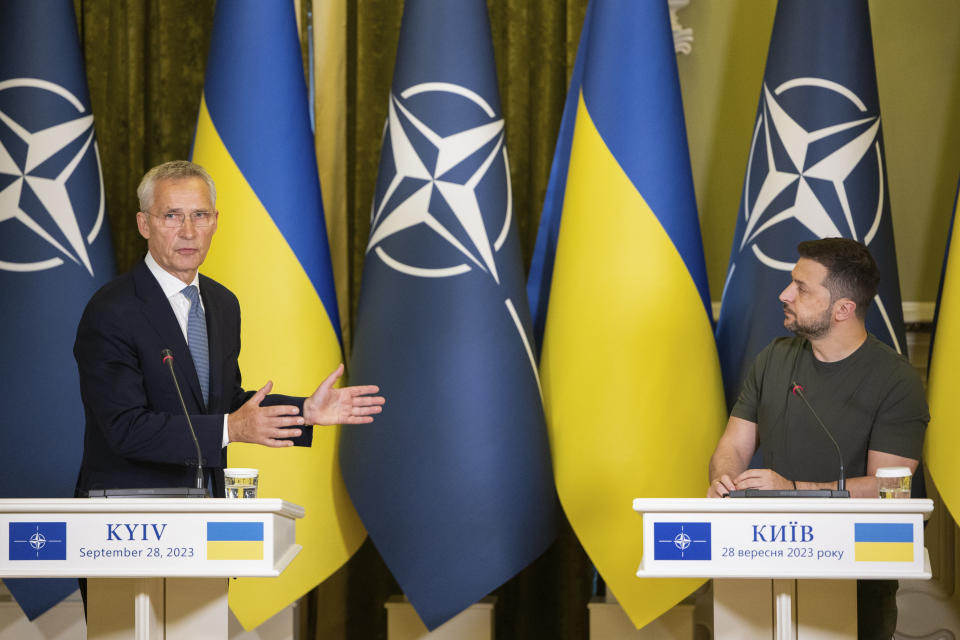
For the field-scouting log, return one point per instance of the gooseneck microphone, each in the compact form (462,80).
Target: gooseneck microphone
(167,356)
(798,391)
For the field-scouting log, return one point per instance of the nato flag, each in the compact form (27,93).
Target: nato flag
(815,170)
(681,541)
(55,251)
(453,482)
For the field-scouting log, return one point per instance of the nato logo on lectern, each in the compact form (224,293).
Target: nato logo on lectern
(38,540)
(681,541)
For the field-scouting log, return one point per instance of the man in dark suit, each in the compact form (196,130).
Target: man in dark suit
(136,433)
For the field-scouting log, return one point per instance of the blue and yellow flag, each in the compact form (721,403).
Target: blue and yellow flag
(453,480)
(55,251)
(943,435)
(631,381)
(883,541)
(254,137)
(816,170)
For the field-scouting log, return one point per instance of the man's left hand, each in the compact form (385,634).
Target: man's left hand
(349,405)
(762,479)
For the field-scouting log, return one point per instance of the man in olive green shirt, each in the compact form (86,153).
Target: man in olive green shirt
(869,397)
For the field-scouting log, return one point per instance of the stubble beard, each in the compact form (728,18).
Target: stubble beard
(811,330)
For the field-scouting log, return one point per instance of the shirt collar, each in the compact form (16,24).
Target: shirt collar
(170,284)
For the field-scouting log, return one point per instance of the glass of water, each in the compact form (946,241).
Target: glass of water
(240,483)
(893,482)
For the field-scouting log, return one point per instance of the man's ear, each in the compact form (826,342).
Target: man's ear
(844,309)
(143,224)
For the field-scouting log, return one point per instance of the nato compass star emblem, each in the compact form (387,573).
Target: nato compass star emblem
(36,167)
(37,541)
(807,171)
(449,197)
(681,541)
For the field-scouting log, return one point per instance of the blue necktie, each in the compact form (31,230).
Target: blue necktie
(197,340)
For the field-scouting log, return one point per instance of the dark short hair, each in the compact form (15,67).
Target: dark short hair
(851,270)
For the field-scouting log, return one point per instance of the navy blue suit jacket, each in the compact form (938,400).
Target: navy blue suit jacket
(136,434)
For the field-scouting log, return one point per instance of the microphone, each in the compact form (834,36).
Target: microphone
(798,391)
(167,356)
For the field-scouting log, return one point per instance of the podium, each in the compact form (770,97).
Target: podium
(156,568)
(784,568)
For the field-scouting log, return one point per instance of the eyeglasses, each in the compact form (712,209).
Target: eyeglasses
(173,220)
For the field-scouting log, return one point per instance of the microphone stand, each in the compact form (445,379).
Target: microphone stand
(168,359)
(841,481)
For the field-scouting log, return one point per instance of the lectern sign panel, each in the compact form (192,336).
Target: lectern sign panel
(141,544)
(772,544)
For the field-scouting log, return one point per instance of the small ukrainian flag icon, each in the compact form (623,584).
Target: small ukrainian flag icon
(234,541)
(883,541)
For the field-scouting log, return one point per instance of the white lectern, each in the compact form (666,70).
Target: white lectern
(158,568)
(808,552)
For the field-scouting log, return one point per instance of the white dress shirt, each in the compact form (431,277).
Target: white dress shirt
(172,288)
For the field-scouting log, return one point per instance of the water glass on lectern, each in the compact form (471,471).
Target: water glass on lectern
(240,483)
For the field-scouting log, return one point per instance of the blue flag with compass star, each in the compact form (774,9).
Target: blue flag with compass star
(55,251)
(453,481)
(815,170)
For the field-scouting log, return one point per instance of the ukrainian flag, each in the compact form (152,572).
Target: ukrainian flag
(630,374)
(883,541)
(254,137)
(943,436)
(234,541)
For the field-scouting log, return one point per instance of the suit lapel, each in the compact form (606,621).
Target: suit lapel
(157,310)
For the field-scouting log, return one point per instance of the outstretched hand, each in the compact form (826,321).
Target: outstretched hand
(264,425)
(349,405)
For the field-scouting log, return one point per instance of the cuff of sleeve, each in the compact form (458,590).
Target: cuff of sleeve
(226,435)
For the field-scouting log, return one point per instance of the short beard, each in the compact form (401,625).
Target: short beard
(818,328)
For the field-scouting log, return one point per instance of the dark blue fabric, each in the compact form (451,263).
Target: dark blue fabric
(820,64)
(42,414)
(453,481)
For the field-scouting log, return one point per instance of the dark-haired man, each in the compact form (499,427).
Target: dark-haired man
(867,394)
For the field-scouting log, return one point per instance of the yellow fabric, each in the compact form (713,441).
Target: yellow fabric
(883,551)
(235,550)
(943,432)
(287,337)
(630,374)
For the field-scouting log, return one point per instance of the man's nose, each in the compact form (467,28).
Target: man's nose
(787,294)
(187,229)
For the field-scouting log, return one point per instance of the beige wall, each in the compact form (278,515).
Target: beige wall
(917,48)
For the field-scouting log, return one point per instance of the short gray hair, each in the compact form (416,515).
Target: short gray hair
(173,170)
